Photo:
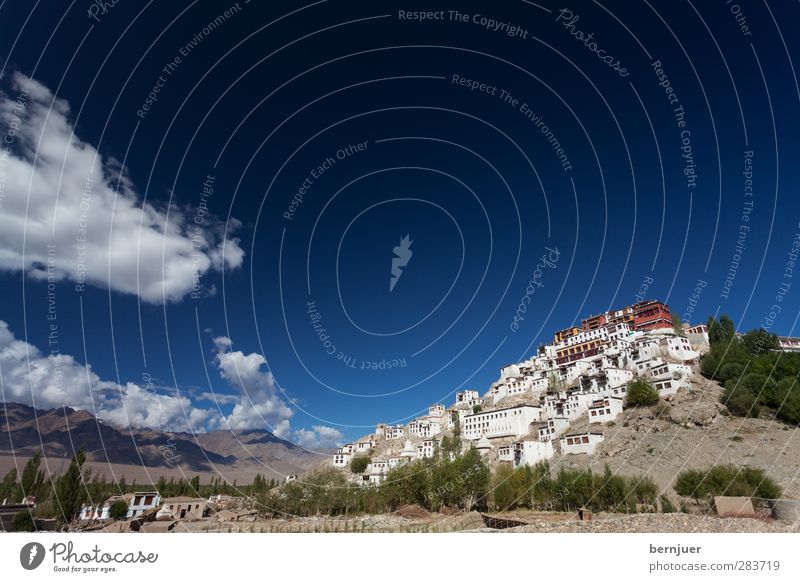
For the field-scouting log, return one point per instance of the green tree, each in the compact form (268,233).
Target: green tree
(758,341)
(118,510)
(677,324)
(785,398)
(32,478)
(8,487)
(359,464)
(70,490)
(502,488)
(641,393)
(720,331)
(477,476)
(407,484)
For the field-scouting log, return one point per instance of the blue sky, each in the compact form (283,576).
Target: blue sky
(176,139)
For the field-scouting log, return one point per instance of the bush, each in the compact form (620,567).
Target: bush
(789,407)
(641,393)
(118,510)
(726,480)
(741,402)
(666,505)
(359,464)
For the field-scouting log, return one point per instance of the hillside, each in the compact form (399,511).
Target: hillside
(688,430)
(695,432)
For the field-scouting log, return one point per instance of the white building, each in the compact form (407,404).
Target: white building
(468,397)
(553,428)
(505,452)
(605,410)
(436,411)
(364,446)
(578,443)
(141,502)
(531,452)
(616,377)
(426,449)
(396,461)
(643,367)
(679,348)
(137,504)
(680,373)
(395,432)
(505,422)
(667,387)
(342,458)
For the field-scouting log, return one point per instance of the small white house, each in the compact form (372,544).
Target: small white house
(532,452)
(468,397)
(141,502)
(341,459)
(436,410)
(643,367)
(553,428)
(426,449)
(364,446)
(616,377)
(681,349)
(666,387)
(505,453)
(395,432)
(396,461)
(679,373)
(579,443)
(605,410)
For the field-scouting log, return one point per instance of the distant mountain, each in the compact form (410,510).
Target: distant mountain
(60,431)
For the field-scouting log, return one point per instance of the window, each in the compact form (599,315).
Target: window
(585,439)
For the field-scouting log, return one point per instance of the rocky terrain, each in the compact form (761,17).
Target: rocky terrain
(693,430)
(516,522)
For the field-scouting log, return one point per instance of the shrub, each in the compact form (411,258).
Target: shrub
(726,480)
(666,504)
(118,510)
(741,402)
(641,393)
(359,464)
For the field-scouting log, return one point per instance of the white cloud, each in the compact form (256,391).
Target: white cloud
(320,437)
(49,381)
(57,190)
(259,405)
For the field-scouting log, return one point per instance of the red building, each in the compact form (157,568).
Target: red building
(649,315)
(594,322)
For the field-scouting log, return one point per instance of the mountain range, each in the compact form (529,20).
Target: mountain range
(232,454)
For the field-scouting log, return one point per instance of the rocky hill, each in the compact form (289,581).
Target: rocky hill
(693,431)
(688,430)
